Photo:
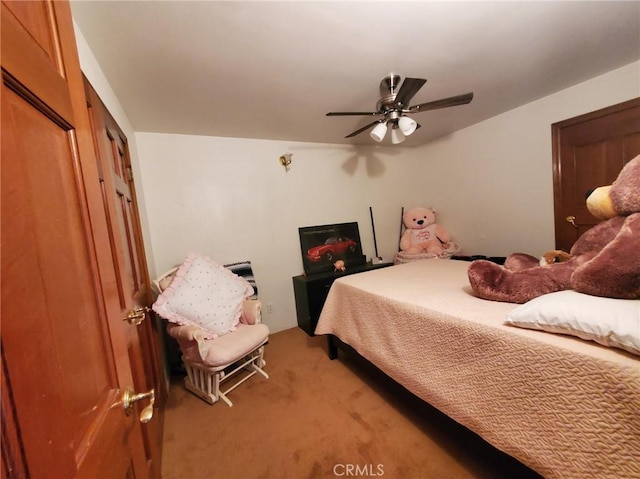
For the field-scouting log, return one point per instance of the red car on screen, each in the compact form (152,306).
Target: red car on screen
(332,247)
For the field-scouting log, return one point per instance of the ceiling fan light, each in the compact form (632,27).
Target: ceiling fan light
(379,131)
(397,136)
(407,125)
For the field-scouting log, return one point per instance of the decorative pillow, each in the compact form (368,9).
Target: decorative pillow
(610,322)
(205,294)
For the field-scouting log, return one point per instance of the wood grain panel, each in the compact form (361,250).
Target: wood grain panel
(64,363)
(589,151)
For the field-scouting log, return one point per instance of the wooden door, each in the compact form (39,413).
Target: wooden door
(127,269)
(65,362)
(589,151)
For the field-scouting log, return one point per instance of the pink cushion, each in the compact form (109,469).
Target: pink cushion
(205,294)
(229,348)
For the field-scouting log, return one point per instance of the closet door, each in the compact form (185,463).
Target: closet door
(589,151)
(126,268)
(65,363)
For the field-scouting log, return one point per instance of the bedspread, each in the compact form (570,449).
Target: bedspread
(565,407)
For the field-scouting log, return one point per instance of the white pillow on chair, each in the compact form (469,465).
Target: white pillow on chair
(206,294)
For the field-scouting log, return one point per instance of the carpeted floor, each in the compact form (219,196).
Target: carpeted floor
(316,418)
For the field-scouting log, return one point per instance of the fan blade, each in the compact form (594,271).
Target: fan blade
(444,103)
(409,88)
(353,113)
(364,128)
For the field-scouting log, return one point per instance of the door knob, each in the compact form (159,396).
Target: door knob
(136,315)
(572,219)
(129,398)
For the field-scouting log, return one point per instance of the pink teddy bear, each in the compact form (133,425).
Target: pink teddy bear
(422,234)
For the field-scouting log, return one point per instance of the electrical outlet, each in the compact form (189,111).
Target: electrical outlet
(269,308)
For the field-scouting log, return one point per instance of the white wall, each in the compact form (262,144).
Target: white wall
(231,199)
(496,180)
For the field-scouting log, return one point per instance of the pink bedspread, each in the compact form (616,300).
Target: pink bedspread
(566,407)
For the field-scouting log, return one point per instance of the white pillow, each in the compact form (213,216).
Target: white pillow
(610,322)
(205,294)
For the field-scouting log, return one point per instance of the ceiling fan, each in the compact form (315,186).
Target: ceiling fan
(393,107)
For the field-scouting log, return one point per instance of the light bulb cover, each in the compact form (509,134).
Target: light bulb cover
(407,125)
(397,136)
(379,131)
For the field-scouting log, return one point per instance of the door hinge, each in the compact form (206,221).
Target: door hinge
(129,174)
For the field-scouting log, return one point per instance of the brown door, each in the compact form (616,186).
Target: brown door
(127,267)
(65,358)
(589,151)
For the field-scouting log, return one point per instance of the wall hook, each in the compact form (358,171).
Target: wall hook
(285,160)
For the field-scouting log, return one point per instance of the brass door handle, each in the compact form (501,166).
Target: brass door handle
(572,219)
(129,398)
(136,315)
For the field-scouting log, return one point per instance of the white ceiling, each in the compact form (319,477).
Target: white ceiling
(271,70)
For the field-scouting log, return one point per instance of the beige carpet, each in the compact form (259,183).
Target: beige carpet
(316,418)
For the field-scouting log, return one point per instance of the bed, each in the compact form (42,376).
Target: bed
(563,406)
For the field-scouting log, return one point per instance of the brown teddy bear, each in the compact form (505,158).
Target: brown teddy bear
(604,261)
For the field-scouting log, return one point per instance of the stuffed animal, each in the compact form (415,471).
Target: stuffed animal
(604,261)
(554,256)
(423,234)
